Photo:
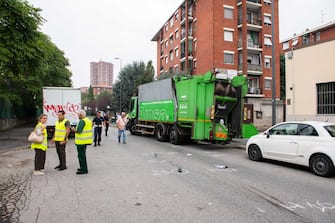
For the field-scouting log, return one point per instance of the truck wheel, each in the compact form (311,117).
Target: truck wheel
(175,138)
(160,132)
(132,129)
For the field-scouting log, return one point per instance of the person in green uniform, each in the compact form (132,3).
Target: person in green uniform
(83,137)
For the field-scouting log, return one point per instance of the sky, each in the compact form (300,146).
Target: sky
(90,31)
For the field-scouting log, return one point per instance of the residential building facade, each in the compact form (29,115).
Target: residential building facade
(101,76)
(310,74)
(226,36)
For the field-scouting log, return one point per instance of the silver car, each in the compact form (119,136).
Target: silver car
(307,143)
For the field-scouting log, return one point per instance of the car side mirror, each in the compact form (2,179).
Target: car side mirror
(267,134)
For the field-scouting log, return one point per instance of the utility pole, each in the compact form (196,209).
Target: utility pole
(273,63)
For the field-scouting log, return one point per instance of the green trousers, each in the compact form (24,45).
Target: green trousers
(82,158)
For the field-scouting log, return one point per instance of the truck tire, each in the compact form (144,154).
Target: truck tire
(161,132)
(132,129)
(175,138)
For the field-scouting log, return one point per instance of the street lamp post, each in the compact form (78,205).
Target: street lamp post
(120,60)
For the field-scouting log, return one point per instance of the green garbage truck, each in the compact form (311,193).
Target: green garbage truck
(205,107)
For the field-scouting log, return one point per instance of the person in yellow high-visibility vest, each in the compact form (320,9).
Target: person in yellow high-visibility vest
(40,148)
(62,131)
(83,137)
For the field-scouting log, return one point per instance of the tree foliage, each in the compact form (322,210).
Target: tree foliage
(130,77)
(28,58)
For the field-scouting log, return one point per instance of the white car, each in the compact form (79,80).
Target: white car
(307,143)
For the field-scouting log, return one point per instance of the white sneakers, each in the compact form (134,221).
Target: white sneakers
(38,172)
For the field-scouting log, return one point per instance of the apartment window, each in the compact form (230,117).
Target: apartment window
(253,85)
(161,63)
(171,39)
(267,19)
(326,98)
(267,2)
(295,42)
(195,44)
(228,12)
(267,41)
(166,59)
(176,52)
(166,43)
(177,34)
(305,39)
(195,64)
(176,16)
(286,45)
(267,83)
(194,25)
(228,35)
(166,27)
(228,57)
(171,22)
(171,55)
(317,36)
(267,62)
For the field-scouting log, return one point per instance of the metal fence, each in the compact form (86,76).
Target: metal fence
(6,108)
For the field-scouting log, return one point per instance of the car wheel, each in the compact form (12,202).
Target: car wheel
(254,152)
(321,165)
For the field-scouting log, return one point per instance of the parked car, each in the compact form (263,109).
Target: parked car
(307,143)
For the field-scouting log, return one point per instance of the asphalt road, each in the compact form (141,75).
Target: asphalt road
(149,181)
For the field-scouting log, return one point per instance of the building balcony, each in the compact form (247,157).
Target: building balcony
(254,21)
(255,69)
(251,46)
(253,24)
(254,92)
(254,4)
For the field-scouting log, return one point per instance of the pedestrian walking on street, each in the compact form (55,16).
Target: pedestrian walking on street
(98,122)
(106,123)
(40,148)
(62,131)
(121,125)
(83,137)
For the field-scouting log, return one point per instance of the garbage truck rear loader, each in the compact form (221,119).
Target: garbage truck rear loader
(201,108)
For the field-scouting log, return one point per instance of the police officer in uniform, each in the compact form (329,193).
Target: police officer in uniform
(98,122)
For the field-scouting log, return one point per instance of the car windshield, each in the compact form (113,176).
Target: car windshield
(330,129)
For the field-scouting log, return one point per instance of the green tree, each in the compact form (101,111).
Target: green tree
(28,59)
(130,77)
(104,100)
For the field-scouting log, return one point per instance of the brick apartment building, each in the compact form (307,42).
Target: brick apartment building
(229,36)
(310,74)
(101,76)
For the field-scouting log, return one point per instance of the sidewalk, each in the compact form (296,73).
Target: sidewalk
(15,138)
